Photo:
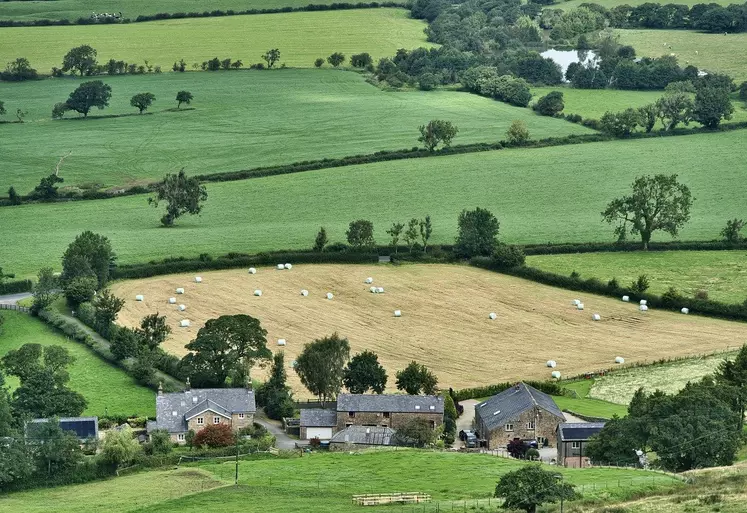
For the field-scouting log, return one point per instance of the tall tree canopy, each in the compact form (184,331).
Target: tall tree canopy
(363,373)
(89,255)
(532,486)
(321,365)
(183,195)
(88,95)
(81,59)
(417,378)
(478,233)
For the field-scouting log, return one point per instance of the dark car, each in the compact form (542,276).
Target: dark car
(469,438)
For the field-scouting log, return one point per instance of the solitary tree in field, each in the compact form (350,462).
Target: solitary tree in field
(436,132)
(271,57)
(517,134)
(712,104)
(394,232)
(336,59)
(183,195)
(417,378)
(478,233)
(321,240)
(363,373)
(321,366)
(81,59)
(183,97)
(551,104)
(360,234)
(89,95)
(657,202)
(532,486)
(142,101)
(318,62)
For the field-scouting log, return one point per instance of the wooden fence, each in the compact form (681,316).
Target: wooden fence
(391,498)
(17,308)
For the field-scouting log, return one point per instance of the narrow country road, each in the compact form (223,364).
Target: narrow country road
(13,299)
(283,440)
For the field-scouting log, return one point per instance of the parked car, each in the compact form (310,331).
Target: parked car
(469,438)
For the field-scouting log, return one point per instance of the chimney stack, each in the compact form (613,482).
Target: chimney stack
(160,388)
(189,385)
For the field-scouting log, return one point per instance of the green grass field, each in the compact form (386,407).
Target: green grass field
(74,9)
(619,386)
(716,52)
(590,406)
(572,184)
(723,274)
(241,119)
(106,388)
(301,38)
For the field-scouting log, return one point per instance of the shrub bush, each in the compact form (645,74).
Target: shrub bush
(507,256)
(16,287)
(214,435)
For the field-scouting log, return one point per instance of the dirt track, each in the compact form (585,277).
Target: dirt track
(444,321)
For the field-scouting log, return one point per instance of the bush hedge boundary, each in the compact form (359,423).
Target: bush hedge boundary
(16,287)
(548,387)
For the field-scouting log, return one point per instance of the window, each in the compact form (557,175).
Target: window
(386,414)
(180,437)
(509,427)
(433,424)
(351,414)
(530,424)
(241,415)
(575,445)
(216,420)
(200,421)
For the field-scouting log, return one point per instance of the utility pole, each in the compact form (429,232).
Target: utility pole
(236,480)
(562,490)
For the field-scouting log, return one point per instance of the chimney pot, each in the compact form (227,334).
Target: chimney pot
(160,388)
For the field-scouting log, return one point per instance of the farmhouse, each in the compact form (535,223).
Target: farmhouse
(361,437)
(387,410)
(193,409)
(572,440)
(316,423)
(84,428)
(518,412)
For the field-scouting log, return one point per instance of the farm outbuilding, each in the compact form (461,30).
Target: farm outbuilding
(318,423)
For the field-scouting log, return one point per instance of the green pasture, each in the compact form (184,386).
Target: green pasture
(619,386)
(715,52)
(74,9)
(241,120)
(584,404)
(301,37)
(723,274)
(105,387)
(551,194)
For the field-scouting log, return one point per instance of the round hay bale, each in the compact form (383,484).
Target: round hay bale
(184,323)
(580,306)
(180,291)
(182,308)
(288,266)
(198,279)
(685,311)
(398,313)
(330,295)
(626,298)
(619,359)
(379,290)
(252,270)
(369,280)
(576,302)
(139,297)
(555,374)
(373,290)
(492,316)
(172,300)
(644,302)
(643,308)
(281,341)
(258,293)
(304,292)
(596,317)
(551,363)
(281,267)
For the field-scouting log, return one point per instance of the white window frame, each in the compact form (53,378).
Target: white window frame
(530,425)
(200,421)
(180,437)
(241,415)
(216,420)
(575,445)
(509,427)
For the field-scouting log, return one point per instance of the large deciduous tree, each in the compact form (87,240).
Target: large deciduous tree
(89,255)
(336,59)
(153,331)
(88,95)
(674,108)
(657,202)
(321,366)
(532,486)
(44,289)
(437,131)
(271,57)
(275,394)
(712,104)
(478,233)
(81,59)
(107,307)
(226,347)
(141,101)
(416,432)
(183,97)
(363,373)
(183,195)
(551,104)
(416,378)
(360,234)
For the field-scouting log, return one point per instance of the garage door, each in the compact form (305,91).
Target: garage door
(323,433)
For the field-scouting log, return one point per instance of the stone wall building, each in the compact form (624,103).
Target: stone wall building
(362,437)
(388,410)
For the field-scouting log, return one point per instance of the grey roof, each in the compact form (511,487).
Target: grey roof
(314,417)
(578,431)
(511,403)
(364,435)
(83,427)
(392,403)
(191,402)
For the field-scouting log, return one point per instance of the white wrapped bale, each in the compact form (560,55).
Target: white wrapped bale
(172,300)
(180,291)
(288,266)
(198,279)
(555,374)
(492,316)
(252,270)
(373,290)
(184,323)
(139,297)
(330,295)
(626,299)
(379,290)
(643,308)
(369,280)
(182,308)
(281,267)
(551,363)
(596,317)
(281,341)
(644,302)
(304,292)
(580,306)
(619,359)
(397,313)
(258,293)
(685,311)
(576,302)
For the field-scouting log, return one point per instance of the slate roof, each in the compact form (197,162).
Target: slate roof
(392,403)
(314,417)
(191,402)
(511,403)
(363,435)
(578,431)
